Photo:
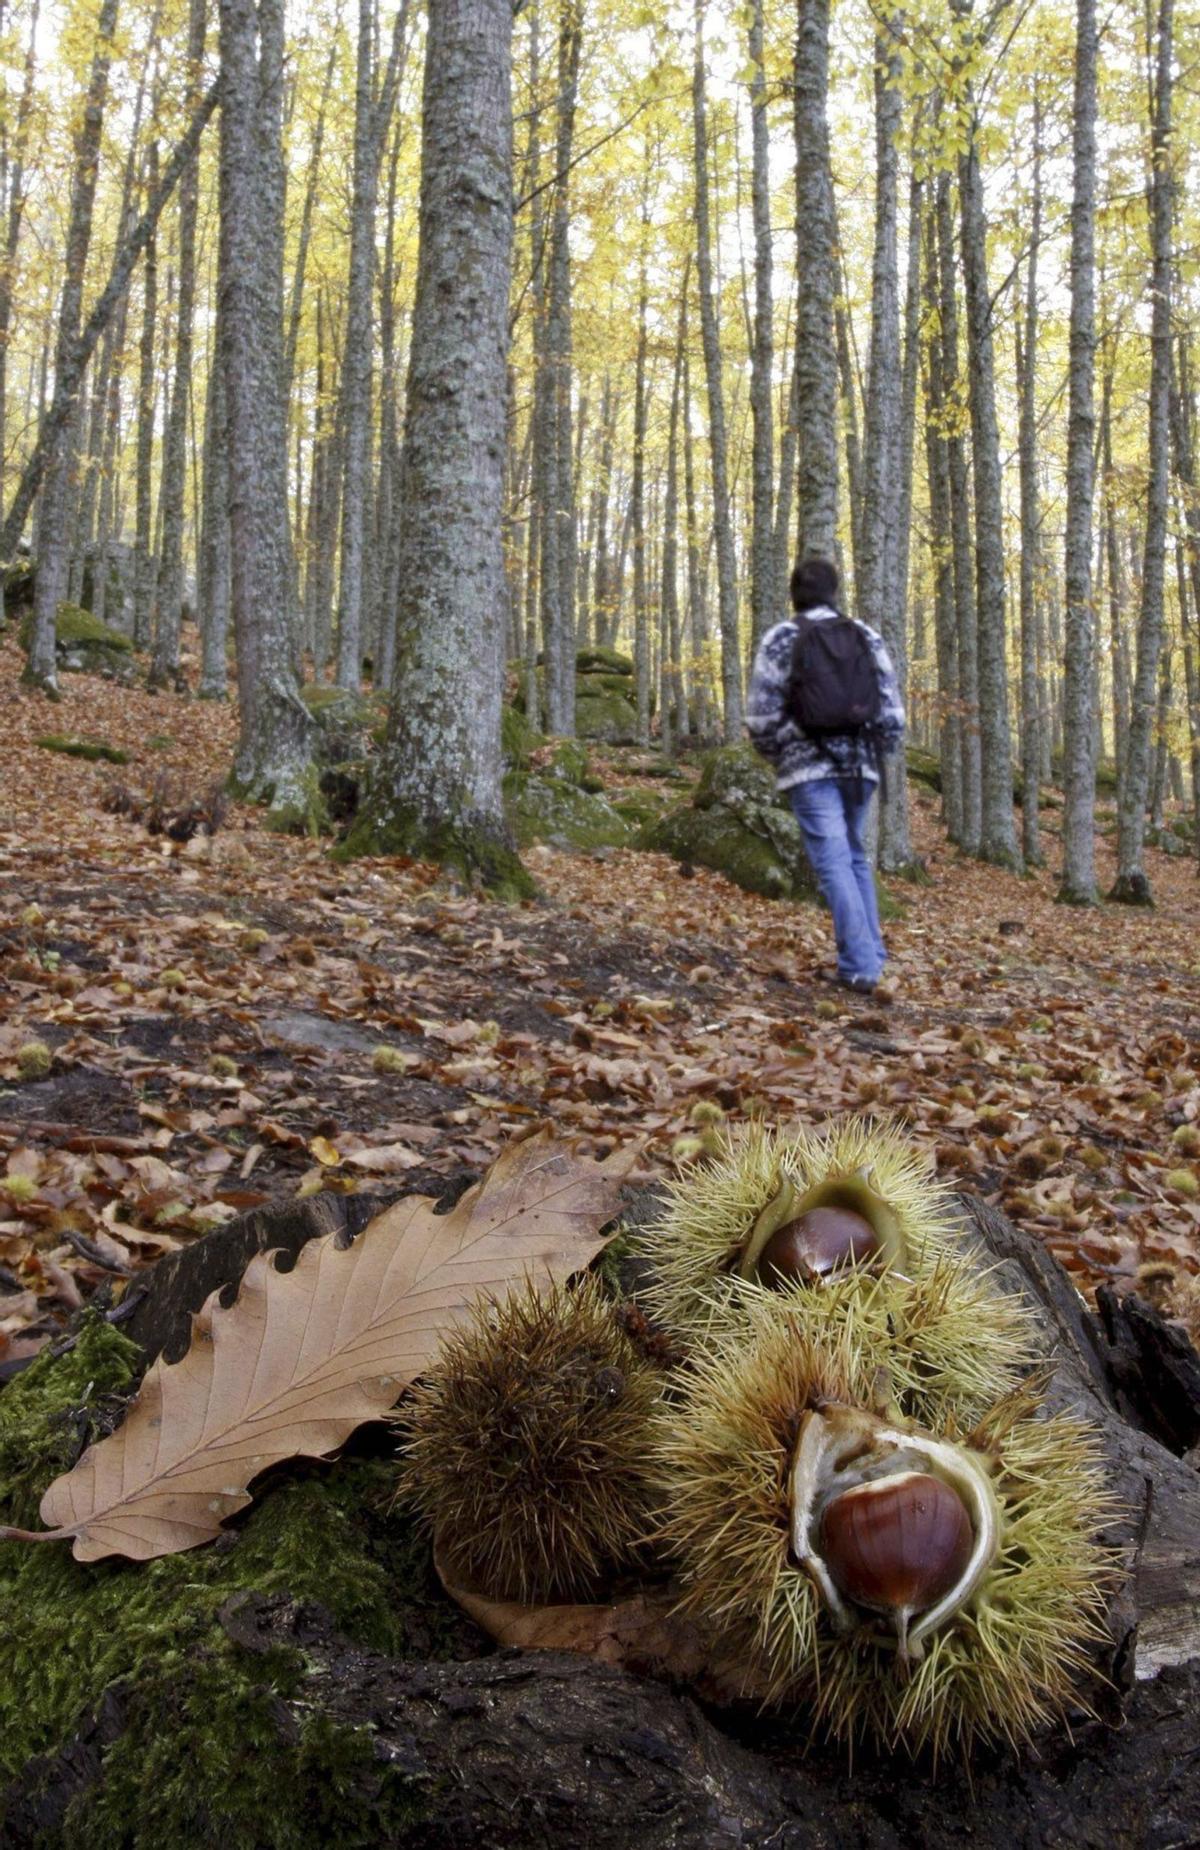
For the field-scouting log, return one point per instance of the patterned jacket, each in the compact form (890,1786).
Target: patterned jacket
(797,758)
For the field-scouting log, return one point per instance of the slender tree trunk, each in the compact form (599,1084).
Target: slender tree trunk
(764,584)
(438,788)
(1031,518)
(213,564)
(960,528)
(816,366)
(1132,885)
(785,500)
(880,595)
(731,666)
(273,753)
(673,698)
(53,535)
(641,615)
(1079,770)
(997,835)
(164,665)
(697,613)
(848,380)
(937,460)
(13,203)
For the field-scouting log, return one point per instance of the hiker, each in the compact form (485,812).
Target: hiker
(825,709)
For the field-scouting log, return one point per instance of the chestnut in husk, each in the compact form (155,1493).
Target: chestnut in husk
(815,1243)
(897,1544)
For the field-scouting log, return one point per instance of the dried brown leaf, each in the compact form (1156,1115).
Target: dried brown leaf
(303,1357)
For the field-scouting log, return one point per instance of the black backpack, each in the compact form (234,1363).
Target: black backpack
(833,686)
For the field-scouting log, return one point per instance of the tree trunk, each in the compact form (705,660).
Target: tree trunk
(53,535)
(1031,518)
(960,527)
(272,764)
(641,614)
(997,833)
(437,791)
(785,499)
(697,623)
(731,665)
(849,387)
(164,665)
(937,463)
(1132,885)
(213,562)
(12,200)
(764,584)
(673,697)
(1079,771)
(816,365)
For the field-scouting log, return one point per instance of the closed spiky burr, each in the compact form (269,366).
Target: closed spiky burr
(851,1228)
(922,1586)
(526,1449)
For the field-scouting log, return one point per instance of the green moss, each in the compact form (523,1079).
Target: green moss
(548,809)
(597,686)
(771,863)
(205,1754)
(91,749)
(603,660)
(606,717)
(76,628)
(480,852)
(569,763)
(518,740)
(640,807)
(735,775)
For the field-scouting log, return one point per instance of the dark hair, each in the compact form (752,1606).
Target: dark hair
(814,581)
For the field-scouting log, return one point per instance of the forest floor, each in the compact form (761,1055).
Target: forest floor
(214,1017)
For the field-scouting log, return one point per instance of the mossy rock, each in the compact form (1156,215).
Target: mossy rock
(548,809)
(216,1745)
(601,660)
(769,861)
(923,767)
(346,723)
(590,686)
(518,740)
(20,582)
(569,764)
(1168,841)
(735,775)
(84,645)
(608,719)
(640,807)
(94,750)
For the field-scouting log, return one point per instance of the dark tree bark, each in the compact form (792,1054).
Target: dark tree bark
(816,366)
(997,833)
(727,597)
(273,763)
(1132,885)
(53,533)
(438,787)
(1079,771)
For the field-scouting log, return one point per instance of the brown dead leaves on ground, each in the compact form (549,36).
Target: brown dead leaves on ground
(236,1022)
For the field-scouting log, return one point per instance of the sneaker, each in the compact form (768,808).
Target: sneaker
(861,985)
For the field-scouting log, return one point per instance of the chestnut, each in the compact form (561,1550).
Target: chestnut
(815,1243)
(897,1544)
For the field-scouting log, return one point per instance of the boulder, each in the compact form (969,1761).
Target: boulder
(549,808)
(736,825)
(607,718)
(600,660)
(84,645)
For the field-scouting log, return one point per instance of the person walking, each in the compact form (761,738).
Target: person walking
(825,709)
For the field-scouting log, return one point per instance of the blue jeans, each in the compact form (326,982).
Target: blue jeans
(832,813)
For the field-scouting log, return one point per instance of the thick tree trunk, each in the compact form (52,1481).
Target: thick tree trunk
(1079,771)
(437,792)
(273,763)
(997,832)
(1132,885)
(816,364)
(164,665)
(53,534)
(764,585)
(727,599)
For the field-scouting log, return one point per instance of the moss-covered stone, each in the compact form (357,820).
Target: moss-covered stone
(735,775)
(94,750)
(767,860)
(640,807)
(84,645)
(518,740)
(480,852)
(20,582)
(549,809)
(607,718)
(569,763)
(596,685)
(217,1745)
(923,767)
(601,660)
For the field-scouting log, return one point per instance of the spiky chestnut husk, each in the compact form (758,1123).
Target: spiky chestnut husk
(996,1664)
(525,1451)
(930,1315)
